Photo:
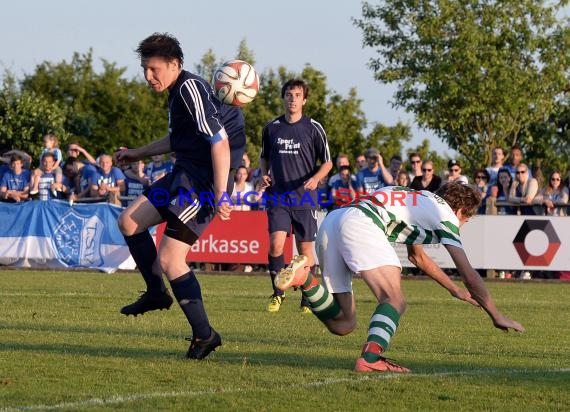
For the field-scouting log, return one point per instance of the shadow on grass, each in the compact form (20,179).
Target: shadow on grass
(91,350)
(268,358)
(308,363)
(134,332)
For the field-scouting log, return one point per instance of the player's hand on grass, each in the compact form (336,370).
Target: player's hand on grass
(504,323)
(463,294)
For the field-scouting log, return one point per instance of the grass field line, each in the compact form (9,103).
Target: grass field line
(118,399)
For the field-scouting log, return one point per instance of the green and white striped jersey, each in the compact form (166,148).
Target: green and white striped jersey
(411,217)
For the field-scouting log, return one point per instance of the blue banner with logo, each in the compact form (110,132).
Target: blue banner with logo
(55,234)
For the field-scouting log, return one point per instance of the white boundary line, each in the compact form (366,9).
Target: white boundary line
(118,399)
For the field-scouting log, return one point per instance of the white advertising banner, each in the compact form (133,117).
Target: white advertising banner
(509,243)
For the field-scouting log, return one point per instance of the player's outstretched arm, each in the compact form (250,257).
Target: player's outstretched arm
(160,146)
(478,290)
(418,256)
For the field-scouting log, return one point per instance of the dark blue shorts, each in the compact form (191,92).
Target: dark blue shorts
(302,221)
(185,204)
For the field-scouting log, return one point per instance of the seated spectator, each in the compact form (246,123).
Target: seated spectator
(75,150)
(15,183)
(523,190)
(157,168)
(403,179)
(109,181)
(415,164)
(45,178)
(51,146)
(497,162)
(375,176)
(482,182)
(554,197)
(78,178)
(454,168)
(515,159)
(342,189)
(26,159)
(500,193)
(341,160)
(244,194)
(395,166)
(361,163)
(136,181)
(428,180)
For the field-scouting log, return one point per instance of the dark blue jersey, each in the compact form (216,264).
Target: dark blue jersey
(293,152)
(198,119)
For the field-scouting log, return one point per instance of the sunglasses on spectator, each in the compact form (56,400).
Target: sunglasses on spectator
(520,172)
(416,161)
(480,177)
(555,178)
(454,169)
(427,170)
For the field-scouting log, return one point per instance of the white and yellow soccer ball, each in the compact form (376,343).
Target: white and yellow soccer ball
(236,82)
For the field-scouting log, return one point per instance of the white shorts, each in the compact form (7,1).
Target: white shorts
(349,242)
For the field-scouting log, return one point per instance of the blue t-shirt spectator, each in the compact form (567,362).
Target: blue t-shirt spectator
(110,179)
(11,181)
(370,181)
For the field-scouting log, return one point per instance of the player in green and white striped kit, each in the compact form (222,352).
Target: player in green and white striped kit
(356,239)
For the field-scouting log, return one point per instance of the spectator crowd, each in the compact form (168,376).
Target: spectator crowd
(507,185)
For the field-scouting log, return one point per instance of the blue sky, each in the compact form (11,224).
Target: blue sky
(290,33)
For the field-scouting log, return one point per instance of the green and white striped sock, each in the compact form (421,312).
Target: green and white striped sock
(322,302)
(382,327)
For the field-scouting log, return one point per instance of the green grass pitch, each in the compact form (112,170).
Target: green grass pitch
(65,347)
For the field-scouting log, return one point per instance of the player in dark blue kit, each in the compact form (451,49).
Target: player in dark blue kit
(293,145)
(208,139)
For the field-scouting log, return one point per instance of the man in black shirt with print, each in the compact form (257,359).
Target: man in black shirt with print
(293,145)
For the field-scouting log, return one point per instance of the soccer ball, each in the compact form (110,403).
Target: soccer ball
(236,82)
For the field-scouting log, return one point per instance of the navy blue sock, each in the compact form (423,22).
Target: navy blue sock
(187,291)
(276,263)
(143,251)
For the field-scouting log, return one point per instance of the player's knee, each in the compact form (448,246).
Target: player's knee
(124,224)
(276,250)
(165,261)
(342,328)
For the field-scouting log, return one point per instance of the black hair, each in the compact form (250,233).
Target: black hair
(294,83)
(162,45)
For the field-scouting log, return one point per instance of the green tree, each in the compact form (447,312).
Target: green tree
(26,117)
(478,73)
(345,122)
(388,140)
(554,136)
(103,111)
(207,65)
